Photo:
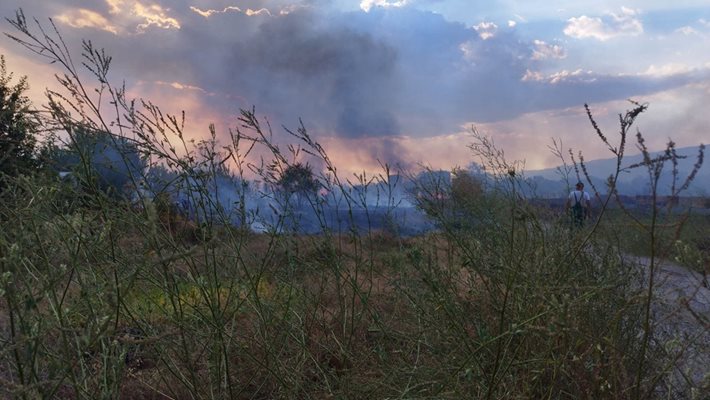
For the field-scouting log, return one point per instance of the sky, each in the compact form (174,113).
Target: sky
(402,81)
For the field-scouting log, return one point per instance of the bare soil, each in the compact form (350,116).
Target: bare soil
(681,317)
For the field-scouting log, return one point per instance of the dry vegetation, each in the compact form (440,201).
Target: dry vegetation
(104,298)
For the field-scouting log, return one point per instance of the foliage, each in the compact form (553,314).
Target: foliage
(18,125)
(466,189)
(298,178)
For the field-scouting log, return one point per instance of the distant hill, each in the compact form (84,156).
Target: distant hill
(549,183)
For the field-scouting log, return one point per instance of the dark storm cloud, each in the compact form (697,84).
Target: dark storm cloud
(354,74)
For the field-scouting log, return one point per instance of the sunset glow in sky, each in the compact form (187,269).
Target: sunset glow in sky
(403,81)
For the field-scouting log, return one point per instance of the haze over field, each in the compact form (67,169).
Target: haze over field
(403,81)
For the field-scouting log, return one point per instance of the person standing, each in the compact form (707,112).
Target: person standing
(579,201)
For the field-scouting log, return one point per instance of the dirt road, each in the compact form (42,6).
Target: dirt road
(681,316)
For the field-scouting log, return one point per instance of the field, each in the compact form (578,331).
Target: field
(104,300)
(142,274)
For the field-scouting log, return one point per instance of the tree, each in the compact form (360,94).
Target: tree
(466,189)
(17,126)
(430,191)
(451,199)
(298,179)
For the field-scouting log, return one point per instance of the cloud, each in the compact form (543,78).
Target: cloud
(578,76)
(153,15)
(208,13)
(532,76)
(527,135)
(687,30)
(249,12)
(114,6)
(262,11)
(391,71)
(563,76)
(673,73)
(181,86)
(124,17)
(385,78)
(83,18)
(667,70)
(367,5)
(700,28)
(486,30)
(543,50)
(605,28)
(511,23)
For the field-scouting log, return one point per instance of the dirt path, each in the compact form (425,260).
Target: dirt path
(681,314)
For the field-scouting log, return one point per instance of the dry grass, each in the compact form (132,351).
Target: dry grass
(105,300)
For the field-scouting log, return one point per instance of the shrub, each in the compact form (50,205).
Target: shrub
(18,126)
